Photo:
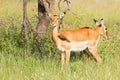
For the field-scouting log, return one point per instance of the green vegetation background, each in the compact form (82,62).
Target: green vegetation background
(45,65)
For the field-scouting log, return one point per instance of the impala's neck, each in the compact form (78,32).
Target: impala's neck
(98,29)
(55,30)
(55,33)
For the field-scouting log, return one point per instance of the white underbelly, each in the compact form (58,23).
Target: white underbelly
(78,46)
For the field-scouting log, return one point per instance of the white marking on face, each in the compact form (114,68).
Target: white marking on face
(104,27)
(62,15)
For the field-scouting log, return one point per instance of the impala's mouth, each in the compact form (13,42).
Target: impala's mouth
(107,38)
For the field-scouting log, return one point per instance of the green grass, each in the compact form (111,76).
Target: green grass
(45,65)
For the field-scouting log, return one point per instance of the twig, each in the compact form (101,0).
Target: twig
(68,8)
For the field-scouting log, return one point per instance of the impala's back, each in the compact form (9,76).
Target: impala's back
(80,35)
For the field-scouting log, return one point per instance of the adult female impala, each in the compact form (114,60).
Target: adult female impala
(78,40)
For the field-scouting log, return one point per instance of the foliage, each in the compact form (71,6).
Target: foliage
(44,64)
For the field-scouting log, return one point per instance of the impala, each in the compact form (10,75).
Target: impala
(78,40)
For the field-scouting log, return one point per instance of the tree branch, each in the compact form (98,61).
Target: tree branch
(68,5)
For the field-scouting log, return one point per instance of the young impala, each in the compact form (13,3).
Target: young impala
(78,40)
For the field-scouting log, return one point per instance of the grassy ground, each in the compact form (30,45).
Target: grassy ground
(45,65)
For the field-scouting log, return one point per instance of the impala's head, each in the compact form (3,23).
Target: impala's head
(56,18)
(102,28)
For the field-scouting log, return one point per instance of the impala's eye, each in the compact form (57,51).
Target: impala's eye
(105,28)
(100,25)
(57,18)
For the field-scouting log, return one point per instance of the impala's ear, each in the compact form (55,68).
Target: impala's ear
(96,22)
(102,21)
(62,15)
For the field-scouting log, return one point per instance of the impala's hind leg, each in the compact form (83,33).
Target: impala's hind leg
(89,55)
(95,54)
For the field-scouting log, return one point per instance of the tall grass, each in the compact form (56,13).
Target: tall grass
(45,64)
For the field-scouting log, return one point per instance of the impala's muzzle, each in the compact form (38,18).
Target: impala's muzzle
(53,25)
(106,35)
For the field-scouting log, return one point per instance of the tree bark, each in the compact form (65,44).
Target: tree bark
(27,53)
(45,8)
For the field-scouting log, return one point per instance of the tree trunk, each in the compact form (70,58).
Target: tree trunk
(45,8)
(26,28)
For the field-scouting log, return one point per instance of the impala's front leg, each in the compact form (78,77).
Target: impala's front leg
(98,58)
(67,56)
(95,54)
(62,58)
